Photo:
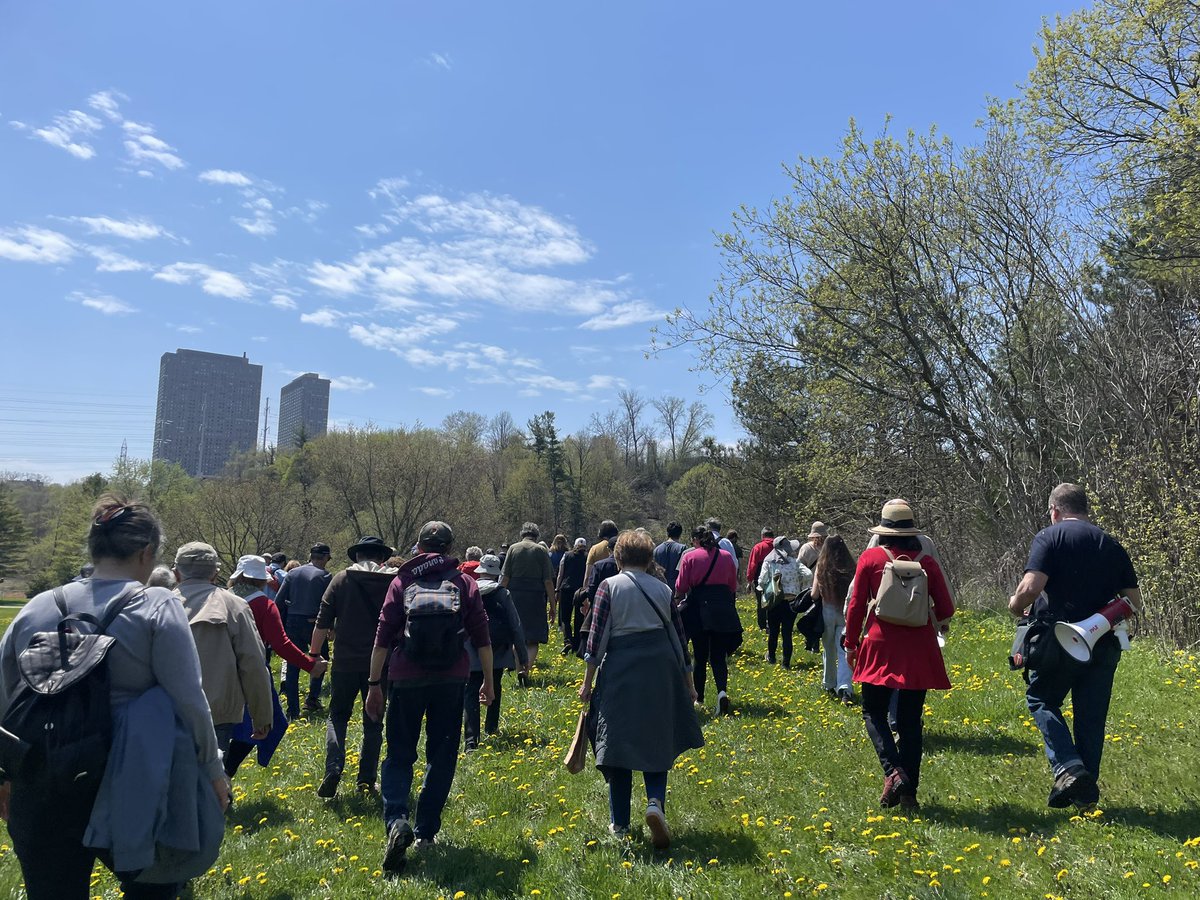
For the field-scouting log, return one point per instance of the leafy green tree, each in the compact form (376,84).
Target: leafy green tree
(14,536)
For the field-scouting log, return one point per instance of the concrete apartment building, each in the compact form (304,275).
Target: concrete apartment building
(207,409)
(303,410)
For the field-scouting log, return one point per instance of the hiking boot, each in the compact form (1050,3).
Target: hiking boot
(909,801)
(660,833)
(724,707)
(399,837)
(312,704)
(1074,784)
(895,785)
(329,785)
(367,787)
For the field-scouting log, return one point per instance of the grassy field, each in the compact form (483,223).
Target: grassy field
(781,802)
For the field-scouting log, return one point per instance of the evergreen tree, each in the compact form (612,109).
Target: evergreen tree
(14,536)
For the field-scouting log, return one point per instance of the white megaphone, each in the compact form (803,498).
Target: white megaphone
(1078,638)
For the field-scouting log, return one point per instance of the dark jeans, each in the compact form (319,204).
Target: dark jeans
(236,755)
(780,620)
(570,618)
(620,792)
(300,629)
(343,688)
(758,609)
(903,752)
(708,649)
(471,707)
(1090,687)
(441,706)
(47,835)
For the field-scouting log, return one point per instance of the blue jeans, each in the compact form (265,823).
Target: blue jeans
(1090,686)
(620,791)
(299,630)
(441,706)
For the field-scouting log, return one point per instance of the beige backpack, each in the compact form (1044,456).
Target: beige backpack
(903,597)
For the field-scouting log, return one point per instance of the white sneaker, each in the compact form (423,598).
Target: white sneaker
(660,832)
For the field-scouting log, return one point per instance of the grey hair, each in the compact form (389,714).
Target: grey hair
(474,553)
(161,577)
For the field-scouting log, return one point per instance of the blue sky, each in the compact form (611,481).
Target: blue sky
(439,206)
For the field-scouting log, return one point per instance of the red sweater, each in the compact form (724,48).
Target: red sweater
(896,656)
(758,553)
(270,629)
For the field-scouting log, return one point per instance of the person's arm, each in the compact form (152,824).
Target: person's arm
(518,632)
(270,627)
(284,597)
(939,591)
(683,582)
(327,613)
(1030,587)
(856,609)
(600,610)
(374,703)
(476,624)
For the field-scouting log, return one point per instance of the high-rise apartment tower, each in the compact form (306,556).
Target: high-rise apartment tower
(303,410)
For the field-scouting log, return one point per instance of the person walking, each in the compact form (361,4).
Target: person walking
(778,595)
(527,574)
(831,588)
(428,607)
(508,651)
(351,606)
(706,589)
(570,609)
(153,651)
(811,549)
(642,701)
(891,658)
(1074,571)
(299,599)
(754,568)
(669,553)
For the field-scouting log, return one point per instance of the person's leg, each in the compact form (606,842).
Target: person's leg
(492,723)
(620,788)
(315,684)
(700,650)
(1090,698)
(372,740)
(293,627)
(910,719)
(532,650)
(1047,690)
(443,728)
(405,709)
(719,660)
(343,688)
(224,733)
(237,752)
(759,611)
(773,621)
(787,624)
(656,787)
(875,700)
(830,638)
(48,840)
(134,890)
(471,710)
(845,676)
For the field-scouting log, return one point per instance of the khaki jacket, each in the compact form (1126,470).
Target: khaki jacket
(233,663)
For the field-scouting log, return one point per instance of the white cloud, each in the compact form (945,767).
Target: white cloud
(108,260)
(325,317)
(441,61)
(67,132)
(103,303)
(387,187)
(605,383)
(283,301)
(38,245)
(434,392)
(131,230)
(188,329)
(105,102)
(632,312)
(143,145)
(337,279)
(212,281)
(351,383)
(262,222)
(225,176)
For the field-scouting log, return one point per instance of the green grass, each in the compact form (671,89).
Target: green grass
(782,801)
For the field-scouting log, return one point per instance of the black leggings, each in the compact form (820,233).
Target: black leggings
(237,752)
(780,620)
(708,648)
(904,752)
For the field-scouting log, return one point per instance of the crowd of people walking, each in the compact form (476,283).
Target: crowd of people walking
(424,642)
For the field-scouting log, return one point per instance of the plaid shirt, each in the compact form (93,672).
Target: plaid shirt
(600,612)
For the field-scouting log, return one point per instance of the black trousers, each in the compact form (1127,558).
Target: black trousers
(708,650)
(471,707)
(903,752)
(47,835)
(781,621)
(344,687)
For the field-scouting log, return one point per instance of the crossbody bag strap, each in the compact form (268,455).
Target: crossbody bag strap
(703,581)
(116,606)
(671,635)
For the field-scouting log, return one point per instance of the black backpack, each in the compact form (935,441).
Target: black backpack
(499,630)
(433,625)
(59,724)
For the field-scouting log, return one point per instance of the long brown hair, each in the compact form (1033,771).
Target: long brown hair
(835,570)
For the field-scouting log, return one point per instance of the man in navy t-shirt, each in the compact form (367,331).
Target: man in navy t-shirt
(1080,569)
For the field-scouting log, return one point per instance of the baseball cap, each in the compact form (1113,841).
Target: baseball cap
(196,552)
(318,549)
(580,542)
(436,534)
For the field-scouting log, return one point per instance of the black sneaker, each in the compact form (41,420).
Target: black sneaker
(313,705)
(1076,784)
(329,786)
(399,838)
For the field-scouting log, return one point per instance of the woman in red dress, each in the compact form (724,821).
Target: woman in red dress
(891,658)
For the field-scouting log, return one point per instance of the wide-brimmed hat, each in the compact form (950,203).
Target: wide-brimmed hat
(896,519)
(818,530)
(369,542)
(251,567)
(489,565)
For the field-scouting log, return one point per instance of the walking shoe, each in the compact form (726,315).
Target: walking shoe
(660,833)
(399,837)
(724,708)
(423,845)
(1073,784)
(329,785)
(845,694)
(787,663)
(312,704)
(522,679)
(470,746)
(895,785)
(367,787)
(617,831)
(770,659)
(909,801)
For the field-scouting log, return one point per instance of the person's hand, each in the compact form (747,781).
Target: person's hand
(527,668)
(319,667)
(260,734)
(220,787)
(487,694)
(585,692)
(374,704)
(692,691)
(852,658)
(5,794)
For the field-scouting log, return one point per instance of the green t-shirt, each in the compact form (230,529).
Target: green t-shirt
(527,561)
